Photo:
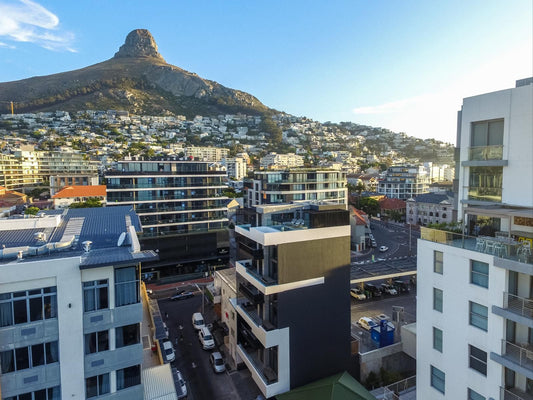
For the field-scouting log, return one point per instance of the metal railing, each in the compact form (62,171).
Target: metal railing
(397,389)
(506,394)
(521,354)
(517,304)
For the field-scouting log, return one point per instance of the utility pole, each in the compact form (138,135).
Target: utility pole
(203,293)
(409,240)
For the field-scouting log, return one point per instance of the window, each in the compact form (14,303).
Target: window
(437,299)
(485,184)
(95,295)
(126,286)
(478,316)
(437,339)
(472,395)
(487,133)
(479,273)
(53,393)
(97,385)
(96,342)
(438,379)
(28,357)
(478,359)
(127,335)
(437,262)
(28,306)
(127,377)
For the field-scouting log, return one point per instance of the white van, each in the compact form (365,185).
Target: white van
(206,339)
(198,321)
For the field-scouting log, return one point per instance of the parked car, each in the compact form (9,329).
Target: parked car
(389,289)
(181,385)
(374,291)
(366,323)
(168,350)
(217,362)
(182,294)
(206,339)
(374,243)
(383,248)
(357,294)
(198,321)
(401,286)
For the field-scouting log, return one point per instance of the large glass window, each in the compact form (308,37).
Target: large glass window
(27,306)
(485,184)
(479,316)
(437,339)
(126,286)
(96,342)
(478,359)
(97,385)
(437,262)
(95,295)
(479,273)
(487,133)
(438,379)
(53,393)
(127,377)
(437,299)
(28,357)
(127,335)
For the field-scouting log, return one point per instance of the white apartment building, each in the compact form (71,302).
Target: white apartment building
(275,160)
(404,181)
(236,167)
(70,306)
(213,154)
(475,290)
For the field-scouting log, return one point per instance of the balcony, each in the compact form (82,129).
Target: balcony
(501,247)
(518,305)
(492,194)
(263,280)
(514,394)
(518,354)
(485,153)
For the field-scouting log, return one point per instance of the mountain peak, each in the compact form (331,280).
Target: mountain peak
(139,43)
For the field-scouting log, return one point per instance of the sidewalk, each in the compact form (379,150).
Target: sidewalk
(157,287)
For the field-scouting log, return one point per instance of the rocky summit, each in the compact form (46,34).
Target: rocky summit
(137,79)
(139,43)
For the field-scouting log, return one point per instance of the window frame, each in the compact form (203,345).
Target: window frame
(438,265)
(437,302)
(479,359)
(436,340)
(99,386)
(478,315)
(98,336)
(121,299)
(473,395)
(23,302)
(96,288)
(49,356)
(434,378)
(119,335)
(478,277)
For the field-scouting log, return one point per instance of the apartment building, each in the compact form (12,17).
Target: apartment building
(236,167)
(430,208)
(70,306)
(59,181)
(292,305)
(275,160)
(181,208)
(404,181)
(475,296)
(291,185)
(212,154)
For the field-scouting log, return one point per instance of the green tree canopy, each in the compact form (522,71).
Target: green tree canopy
(369,206)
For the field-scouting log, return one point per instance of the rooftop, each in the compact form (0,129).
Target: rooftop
(81,191)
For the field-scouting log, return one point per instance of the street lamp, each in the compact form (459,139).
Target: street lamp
(203,292)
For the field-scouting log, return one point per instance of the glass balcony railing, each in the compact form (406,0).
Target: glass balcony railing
(485,153)
(265,279)
(267,374)
(502,247)
(485,194)
(251,310)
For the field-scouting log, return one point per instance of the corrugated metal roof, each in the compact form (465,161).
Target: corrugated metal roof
(159,383)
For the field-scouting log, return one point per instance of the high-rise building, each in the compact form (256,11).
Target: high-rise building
(404,181)
(70,305)
(474,291)
(292,303)
(182,210)
(277,187)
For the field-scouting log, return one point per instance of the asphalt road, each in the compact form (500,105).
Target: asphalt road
(192,360)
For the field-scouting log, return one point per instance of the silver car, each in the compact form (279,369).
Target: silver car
(217,362)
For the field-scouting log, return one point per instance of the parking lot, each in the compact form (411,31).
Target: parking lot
(193,361)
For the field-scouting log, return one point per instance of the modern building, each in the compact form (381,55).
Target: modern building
(430,208)
(181,208)
(292,185)
(275,160)
(212,154)
(404,181)
(58,182)
(293,306)
(70,305)
(79,194)
(474,296)
(236,167)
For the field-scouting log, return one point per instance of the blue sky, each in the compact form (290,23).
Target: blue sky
(401,65)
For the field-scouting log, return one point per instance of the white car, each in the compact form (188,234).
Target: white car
(389,289)
(356,293)
(182,385)
(168,351)
(366,323)
(206,339)
(383,248)
(217,362)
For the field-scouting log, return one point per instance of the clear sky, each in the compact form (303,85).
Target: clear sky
(402,65)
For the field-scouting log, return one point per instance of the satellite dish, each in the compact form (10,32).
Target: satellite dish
(121,239)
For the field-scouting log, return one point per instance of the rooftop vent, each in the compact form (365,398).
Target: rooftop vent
(19,255)
(40,236)
(87,245)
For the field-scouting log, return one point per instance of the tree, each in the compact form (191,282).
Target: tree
(369,206)
(31,211)
(91,202)
(269,126)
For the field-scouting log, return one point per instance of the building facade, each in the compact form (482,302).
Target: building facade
(212,154)
(292,270)
(404,181)
(474,296)
(236,167)
(430,208)
(275,160)
(181,208)
(276,187)
(70,306)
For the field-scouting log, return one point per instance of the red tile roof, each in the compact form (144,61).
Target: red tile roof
(392,204)
(81,191)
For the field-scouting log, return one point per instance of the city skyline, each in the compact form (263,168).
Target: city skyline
(405,67)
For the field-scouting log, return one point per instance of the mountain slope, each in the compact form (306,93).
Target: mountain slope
(136,79)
